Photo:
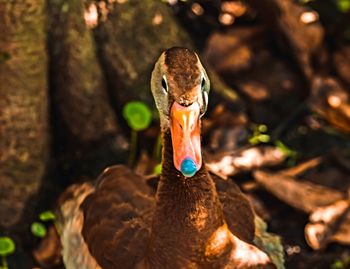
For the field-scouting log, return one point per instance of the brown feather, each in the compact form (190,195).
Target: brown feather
(118,218)
(182,68)
(237,209)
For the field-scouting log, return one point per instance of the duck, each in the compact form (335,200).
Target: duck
(192,220)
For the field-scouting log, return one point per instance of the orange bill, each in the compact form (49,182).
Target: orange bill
(185,136)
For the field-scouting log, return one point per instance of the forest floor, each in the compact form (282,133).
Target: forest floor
(282,118)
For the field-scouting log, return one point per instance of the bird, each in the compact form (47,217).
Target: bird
(192,219)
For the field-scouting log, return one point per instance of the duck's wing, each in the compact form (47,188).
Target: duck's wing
(114,222)
(239,214)
(257,248)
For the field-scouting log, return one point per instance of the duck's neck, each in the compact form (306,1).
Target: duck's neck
(187,213)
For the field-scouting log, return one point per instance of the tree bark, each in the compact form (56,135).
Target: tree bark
(131,36)
(78,86)
(23,105)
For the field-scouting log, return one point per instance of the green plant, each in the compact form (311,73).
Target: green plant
(342,263)
(47,216)
(291,154)
(38,229)
(259,134)
(343,5)
(138,117)
(7,247)
(158,169)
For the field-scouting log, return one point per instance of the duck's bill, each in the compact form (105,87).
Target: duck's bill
(185,136)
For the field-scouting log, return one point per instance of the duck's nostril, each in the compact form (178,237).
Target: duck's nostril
(188,167)
(186,103)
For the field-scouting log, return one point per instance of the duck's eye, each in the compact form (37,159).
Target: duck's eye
(164,84)
(205,102)
(203,83)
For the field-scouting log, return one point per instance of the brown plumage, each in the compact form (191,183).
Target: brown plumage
(191,223)
(180,65)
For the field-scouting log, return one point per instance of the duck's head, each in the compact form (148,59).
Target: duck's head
(180,87)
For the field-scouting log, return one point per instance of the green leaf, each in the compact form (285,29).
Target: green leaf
(137,115)
(47,216)
(38,229)
(259,134)
(289,152)
(264,138)
(7,246)
(158,169)
(262,128)
(337,265)
(253,140)
(343,5)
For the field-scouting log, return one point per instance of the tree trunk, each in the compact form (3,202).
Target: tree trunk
(78,86)
(23,105)
(131,36)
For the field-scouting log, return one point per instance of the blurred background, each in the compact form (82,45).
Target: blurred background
(75,98)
